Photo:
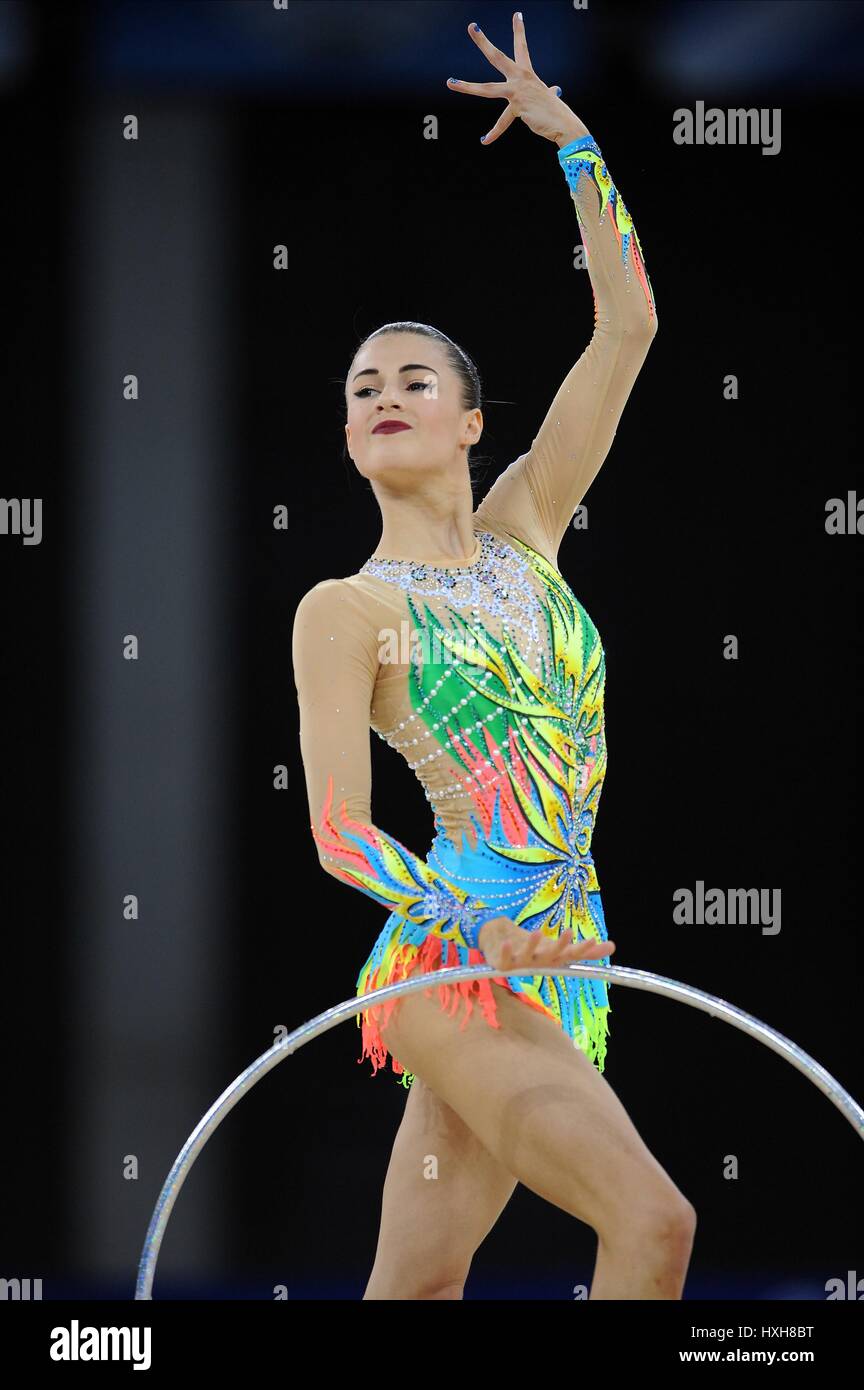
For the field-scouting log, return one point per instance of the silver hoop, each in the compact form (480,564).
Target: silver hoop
(616,974)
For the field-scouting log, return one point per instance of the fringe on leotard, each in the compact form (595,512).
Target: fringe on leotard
(570,1004)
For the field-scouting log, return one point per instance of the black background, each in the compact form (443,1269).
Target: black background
(708,518)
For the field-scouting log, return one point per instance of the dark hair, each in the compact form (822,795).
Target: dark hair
(457,357)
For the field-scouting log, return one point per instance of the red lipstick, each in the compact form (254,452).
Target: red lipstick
(390,426)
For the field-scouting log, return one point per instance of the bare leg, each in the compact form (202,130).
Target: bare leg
(443,1194)
(548,1117)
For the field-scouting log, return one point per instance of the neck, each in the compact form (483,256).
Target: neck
(427,526)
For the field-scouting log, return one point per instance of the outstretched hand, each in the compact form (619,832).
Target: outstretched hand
(527,96)
(511,948)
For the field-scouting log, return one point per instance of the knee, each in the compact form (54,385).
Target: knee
(662,1221)
(668,1222)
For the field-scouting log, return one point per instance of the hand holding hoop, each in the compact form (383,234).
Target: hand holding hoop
(510,948)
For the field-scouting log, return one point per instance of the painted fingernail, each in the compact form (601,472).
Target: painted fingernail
(482,139)
(454,80)
(476,28)
(558,90)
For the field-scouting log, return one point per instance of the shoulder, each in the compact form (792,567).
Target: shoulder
(335,610)
(334,596)
(322,598)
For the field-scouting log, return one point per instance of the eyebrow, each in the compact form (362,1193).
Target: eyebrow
(411,367)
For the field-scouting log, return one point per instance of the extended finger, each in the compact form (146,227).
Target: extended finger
(586,949)
(498,59)
(504,120)
(593,950)
(520,43)
(480,89)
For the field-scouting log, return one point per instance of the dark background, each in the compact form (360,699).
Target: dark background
(155,777)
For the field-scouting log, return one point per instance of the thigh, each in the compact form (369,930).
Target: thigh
(538,1105)
(443,1193)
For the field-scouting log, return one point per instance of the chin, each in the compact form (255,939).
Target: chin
(379,469)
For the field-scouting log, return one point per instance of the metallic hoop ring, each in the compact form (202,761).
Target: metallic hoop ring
(616,974)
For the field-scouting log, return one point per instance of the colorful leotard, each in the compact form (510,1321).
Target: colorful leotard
(488,677)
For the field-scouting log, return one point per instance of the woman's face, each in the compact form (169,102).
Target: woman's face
(406,378)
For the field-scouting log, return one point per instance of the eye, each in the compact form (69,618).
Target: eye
(364,389)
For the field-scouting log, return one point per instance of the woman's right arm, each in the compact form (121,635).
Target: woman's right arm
(335,653)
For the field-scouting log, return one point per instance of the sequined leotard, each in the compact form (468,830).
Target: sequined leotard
(488,677)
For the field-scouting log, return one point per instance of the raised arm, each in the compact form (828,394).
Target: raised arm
(335,653)
(536,496)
